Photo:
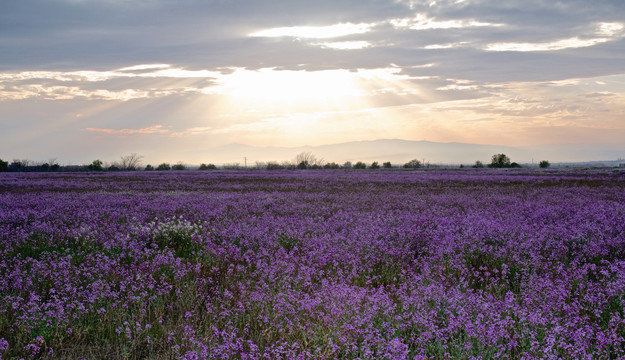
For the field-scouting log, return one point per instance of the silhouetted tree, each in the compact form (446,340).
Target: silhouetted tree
(499,161)
(544,164)
(178,166)
(374,165)
(96,165)
(149,167)
(307,159)
(413,164)
(387,165)
(163,166)
(478,165)
(207,167)
(4,165)
(130,162)
(274,165)
(360,165)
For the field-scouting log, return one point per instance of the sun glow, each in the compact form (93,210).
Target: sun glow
(296,104)
(270,87)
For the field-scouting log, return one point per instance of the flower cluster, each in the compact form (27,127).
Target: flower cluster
(467,264)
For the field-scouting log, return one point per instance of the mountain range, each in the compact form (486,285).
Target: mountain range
(400,151)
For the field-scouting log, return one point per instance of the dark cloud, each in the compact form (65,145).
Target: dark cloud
(73,34)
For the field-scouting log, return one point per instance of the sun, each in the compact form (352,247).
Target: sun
(270,87)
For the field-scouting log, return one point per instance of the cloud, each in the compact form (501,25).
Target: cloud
(423,22)
(547,46)
(155,129)
(145,67)
(101,85)
(316,32)
(345,45)
(607,31)
(199,67)
(445,46)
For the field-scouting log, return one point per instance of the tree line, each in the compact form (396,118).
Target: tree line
(304,160)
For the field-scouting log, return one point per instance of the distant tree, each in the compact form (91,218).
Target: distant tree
(413,164)
(17,165)
(178,166)
(231,166)
(96,165)
(374,165)
(360,165)
(207,167)
(387,165)
(331,165)
(307,159)
(347,165)
(163,166)
(499,161)
(130,162)
(274,165)
(149,167)
(114,167)
(478,165)
(544,164)
(515,165)
(4,165)
(54,166)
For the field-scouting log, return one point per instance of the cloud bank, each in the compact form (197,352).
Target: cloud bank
(114,76)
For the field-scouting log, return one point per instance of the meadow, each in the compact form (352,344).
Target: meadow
(462,264)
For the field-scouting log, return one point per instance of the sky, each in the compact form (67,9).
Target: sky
(172,80)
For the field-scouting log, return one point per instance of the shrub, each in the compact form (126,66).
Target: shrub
(208,167)
(273,165)
(308,159)
(17,165)
(544,164)
(360,165)
(149,167)
(374,165)
(387,165)
(499,161)
(163,166)
(478,165)
(413,164)
(178,166)
(130,162)
(96,165)
(4,165)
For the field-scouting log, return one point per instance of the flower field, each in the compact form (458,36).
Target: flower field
(463,264)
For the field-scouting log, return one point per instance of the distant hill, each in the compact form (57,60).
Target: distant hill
(400,151)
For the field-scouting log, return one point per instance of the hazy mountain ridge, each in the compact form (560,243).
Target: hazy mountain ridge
(399,151)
